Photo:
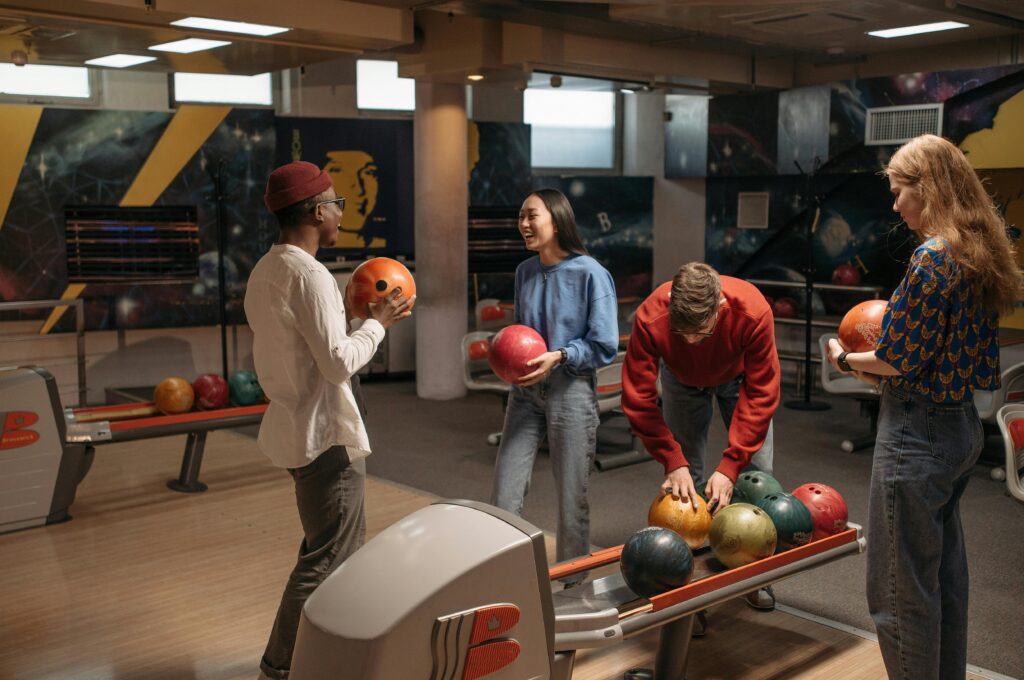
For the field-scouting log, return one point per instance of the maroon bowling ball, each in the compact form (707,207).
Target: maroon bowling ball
(211,391)
(785,308)
(827,506)
(846,275)
(511,348)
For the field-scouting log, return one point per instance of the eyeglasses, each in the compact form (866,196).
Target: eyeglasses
(340,202)
(697,334)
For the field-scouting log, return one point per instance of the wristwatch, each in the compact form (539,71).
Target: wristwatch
(565,355)
(844,366)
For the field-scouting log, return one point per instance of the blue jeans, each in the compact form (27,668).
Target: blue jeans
(565,407)
(917,564)
(687,412)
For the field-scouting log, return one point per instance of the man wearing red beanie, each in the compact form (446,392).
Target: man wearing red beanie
(307,362)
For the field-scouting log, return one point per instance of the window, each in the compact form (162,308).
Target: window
(379,87)
(222,89)
(570,128)
(45,81)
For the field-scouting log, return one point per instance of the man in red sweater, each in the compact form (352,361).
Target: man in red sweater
(709,338)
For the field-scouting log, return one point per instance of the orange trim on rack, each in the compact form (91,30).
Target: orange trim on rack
(728,578)
(597,559)
(112,407)
(196,417)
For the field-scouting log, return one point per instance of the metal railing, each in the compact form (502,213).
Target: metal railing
(79,333)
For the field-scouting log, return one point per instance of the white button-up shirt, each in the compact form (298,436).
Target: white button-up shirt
(304,358)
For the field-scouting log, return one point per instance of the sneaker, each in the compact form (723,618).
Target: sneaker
(763,599)
(700,624)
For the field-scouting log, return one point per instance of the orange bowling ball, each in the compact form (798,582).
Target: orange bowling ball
(174,395)
(862,326)
(374,280)
(671,513)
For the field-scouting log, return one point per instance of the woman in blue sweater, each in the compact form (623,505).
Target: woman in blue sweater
(567,297)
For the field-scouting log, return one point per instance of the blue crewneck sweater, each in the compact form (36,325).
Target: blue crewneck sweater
(572,305)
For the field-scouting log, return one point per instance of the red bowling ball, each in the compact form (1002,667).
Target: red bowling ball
(846,275)
(211,391)
(479,349)
(862,326)
(374,280)
(511,348)
(785,308)
(828,509)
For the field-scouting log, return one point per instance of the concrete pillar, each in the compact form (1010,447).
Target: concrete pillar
(442,196)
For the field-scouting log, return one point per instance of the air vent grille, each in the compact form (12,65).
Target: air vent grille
(752,210)
(898,124)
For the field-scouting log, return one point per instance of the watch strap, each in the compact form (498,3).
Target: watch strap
(844,365)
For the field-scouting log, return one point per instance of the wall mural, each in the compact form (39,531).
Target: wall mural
(82,157)
(371,165)
(499,164)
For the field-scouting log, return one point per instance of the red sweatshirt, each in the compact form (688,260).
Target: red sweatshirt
(743,343)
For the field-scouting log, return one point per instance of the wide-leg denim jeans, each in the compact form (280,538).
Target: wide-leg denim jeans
(917,565)
(688,410)
(564,406)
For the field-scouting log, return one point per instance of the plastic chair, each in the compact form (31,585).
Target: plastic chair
(490,314)
(477,373)
(1012,390)
(1011,423)
(836,382)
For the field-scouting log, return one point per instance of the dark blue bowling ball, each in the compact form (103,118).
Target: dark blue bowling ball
(655,560)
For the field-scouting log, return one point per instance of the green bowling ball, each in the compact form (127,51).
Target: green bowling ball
(791,518)
(754,485)
(245,388)
(740,534)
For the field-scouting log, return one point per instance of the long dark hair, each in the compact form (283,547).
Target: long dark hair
(564,220)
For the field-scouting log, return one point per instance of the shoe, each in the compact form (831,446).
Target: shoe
(700,624)
(763,599)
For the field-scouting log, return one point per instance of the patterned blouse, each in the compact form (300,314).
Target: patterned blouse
(935,331)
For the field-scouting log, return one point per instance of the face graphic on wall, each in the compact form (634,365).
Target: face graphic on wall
(354,175)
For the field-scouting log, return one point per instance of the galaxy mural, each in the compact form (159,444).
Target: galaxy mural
(499,163)
(205,157)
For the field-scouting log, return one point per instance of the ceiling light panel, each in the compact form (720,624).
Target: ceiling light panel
(120,60)
(189,45)
(915,30)
(229,26)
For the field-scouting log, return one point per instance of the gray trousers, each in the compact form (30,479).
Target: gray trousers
(329,495)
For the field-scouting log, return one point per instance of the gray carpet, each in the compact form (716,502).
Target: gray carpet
(440,448)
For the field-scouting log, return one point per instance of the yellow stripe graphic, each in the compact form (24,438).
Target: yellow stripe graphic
(190,127)
(70,293)
(19,126)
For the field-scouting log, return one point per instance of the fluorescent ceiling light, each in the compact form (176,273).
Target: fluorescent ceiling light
(119,60)
(229,26)
(189,45)
(914,30)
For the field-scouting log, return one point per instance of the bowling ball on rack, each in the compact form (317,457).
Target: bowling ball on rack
(791,518)
(862,326)
(245,388)
(827,508)
(174,395)
(846,275)
(753,485)
(511,348)
(655,560)
(785,308)
(211,391)
(374,280)
(742,533)
(672,513)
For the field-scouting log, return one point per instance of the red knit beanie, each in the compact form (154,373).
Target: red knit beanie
(295,182)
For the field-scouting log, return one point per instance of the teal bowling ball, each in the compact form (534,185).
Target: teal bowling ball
(245,388)
(792,520)
(753,485)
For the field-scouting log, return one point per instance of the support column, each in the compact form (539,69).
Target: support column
(442,197)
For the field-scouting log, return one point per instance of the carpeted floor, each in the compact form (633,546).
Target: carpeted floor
(441,448)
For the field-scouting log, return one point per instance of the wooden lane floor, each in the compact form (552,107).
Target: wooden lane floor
(147,583)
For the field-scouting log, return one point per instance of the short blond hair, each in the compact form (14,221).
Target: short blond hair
(696,291)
